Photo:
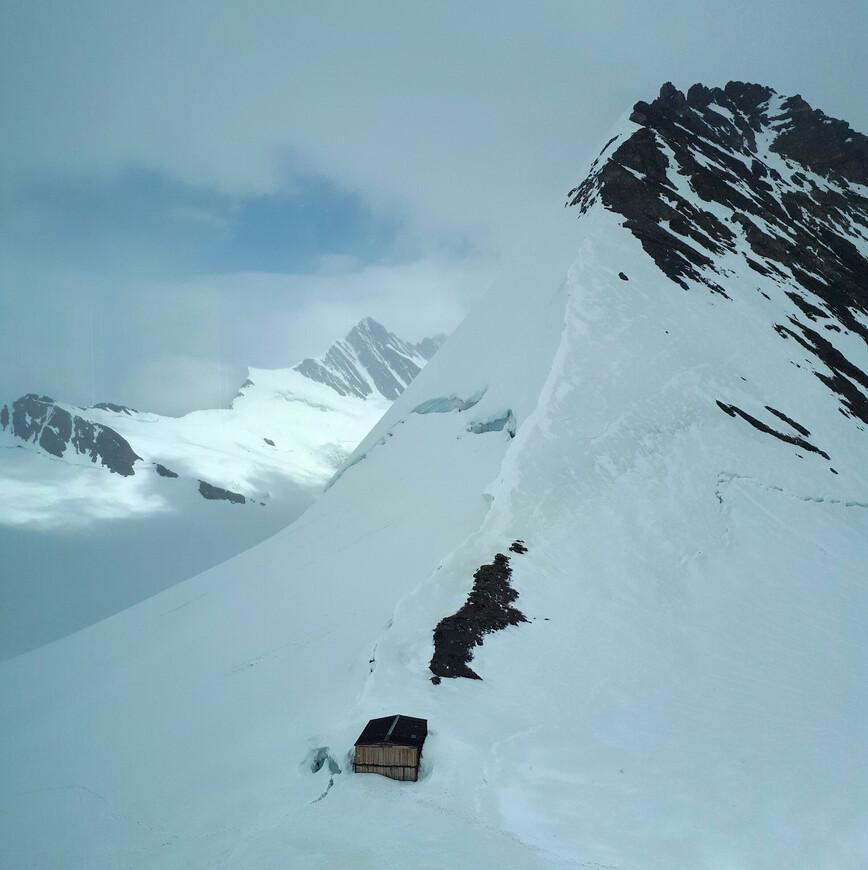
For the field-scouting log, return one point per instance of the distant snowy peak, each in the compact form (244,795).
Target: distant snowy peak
(287,431)
(370,360)
(740,181)
(40,420)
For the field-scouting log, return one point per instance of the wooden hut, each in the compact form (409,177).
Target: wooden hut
(391,746)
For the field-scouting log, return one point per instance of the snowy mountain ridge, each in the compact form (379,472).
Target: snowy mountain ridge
(370,364)
(89,493)
(685,686)
(370,360)
(40,420)
(779,184)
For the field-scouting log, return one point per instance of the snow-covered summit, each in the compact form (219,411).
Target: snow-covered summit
(619,495)
(742,183)
(370,360)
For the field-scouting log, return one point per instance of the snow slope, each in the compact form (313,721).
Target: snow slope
(90,525)
(689,689)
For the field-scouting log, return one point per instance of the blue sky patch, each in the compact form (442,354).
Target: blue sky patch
(292,232)
(151,226)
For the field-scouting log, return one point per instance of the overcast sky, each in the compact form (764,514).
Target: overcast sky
(188,188)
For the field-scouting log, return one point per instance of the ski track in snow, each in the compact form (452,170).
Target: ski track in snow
(727,478)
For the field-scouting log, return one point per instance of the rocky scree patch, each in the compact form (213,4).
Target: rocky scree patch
(488,608)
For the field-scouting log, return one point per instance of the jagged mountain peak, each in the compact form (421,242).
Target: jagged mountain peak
(369,326)
(370,360)
(823,144)
(741,181)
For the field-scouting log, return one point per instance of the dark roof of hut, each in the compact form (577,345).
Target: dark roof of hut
(396,730)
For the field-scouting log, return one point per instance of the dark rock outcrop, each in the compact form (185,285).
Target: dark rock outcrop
(117,409)
(780,181)
(823,144)
(40,420)
(216,493)
(100,442)
(488,608)
(797,440)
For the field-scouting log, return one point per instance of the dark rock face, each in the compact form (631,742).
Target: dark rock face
(370,354)
(56,432)
(488,608)
(163,471)
(338,371)
(101,442)
(38,419)
(117,409)
(29,414)
(764,427)
(794,222)
(384,357)
(215,493)
(825,145)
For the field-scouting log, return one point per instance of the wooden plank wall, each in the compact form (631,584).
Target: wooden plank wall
(406,756)
(396,762)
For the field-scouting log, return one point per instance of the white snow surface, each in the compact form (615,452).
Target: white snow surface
(690,690)
(313,430)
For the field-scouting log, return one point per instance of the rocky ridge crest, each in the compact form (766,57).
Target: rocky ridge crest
(742,170)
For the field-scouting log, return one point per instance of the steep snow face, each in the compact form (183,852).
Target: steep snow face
(687,689)
(104,506)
